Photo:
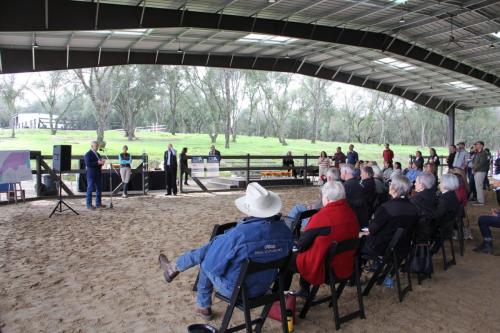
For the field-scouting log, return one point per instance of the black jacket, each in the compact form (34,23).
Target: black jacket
(447,210)
(173,160)
(369,191)
(355,198)
(419,162)
(395,213)
(426,203)
(184,162)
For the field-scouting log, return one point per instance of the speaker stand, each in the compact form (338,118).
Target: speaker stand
(60,203)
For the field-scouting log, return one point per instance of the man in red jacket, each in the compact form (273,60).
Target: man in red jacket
(336,221)
(388,154)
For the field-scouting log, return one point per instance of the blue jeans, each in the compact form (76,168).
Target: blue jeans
(206,283)
(91,184)
(295,211)
(485,222)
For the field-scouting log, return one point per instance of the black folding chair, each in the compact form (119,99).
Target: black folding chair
(447,263)
(297,222)
(218,229)
(240,298)
(332,280)
(391,264)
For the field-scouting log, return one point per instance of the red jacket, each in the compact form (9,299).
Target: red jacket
(341,218)
(388,155)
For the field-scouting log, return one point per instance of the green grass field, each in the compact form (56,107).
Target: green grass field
(154,144)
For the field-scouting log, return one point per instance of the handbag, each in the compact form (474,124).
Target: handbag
(290,302)
(421,261)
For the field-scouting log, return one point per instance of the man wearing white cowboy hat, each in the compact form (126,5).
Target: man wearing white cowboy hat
(262,237)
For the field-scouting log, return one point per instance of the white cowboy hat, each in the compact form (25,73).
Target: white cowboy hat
(259,202)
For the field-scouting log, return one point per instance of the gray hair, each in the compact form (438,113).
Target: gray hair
(400,185)
(427,179)
(449,182)
(333,173)
(377,173)
(347,168)
(333,190)
(94,142)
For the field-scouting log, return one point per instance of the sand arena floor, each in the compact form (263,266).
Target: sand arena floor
(98,272)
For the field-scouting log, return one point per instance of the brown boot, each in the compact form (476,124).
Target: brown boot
(206,314)
(169,271)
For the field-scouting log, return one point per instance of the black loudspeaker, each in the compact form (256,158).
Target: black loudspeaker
(61,158)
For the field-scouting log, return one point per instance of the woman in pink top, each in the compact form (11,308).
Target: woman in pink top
(324,163)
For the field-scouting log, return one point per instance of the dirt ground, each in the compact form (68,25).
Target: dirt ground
(98,272)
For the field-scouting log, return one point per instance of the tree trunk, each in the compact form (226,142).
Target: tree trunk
(13,133)
(172,123)
(213,137)
(100,133)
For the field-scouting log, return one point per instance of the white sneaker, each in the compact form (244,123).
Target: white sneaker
(124,196)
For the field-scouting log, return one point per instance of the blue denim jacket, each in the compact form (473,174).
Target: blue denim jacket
(258,239)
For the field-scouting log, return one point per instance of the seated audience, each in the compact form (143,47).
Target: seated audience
(395,213)
(447,209)
(221,258)
(381,187)
(398,171)
(431,168)
(463,186)
(354,194)
(332,175)
(426,202)
(413,172)
(336,221)
(488,221)
(388,169)
(368,188)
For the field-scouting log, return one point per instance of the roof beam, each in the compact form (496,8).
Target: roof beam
(76,15)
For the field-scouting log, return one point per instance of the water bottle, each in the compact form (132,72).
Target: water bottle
(289,320)
(388,282)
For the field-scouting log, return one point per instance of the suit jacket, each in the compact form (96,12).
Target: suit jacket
(354,196)
(395,213)
(340,223)
(446,212)
(426,203)
(173,159)
(93,168)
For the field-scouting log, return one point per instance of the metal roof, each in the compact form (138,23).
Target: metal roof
(441,54)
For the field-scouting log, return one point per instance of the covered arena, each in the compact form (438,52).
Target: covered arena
(98,271)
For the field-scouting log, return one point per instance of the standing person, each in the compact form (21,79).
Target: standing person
(125,160)
(479,168)
(433,158)
(170,166)
(460,159)
(486,185)
(388,154)
(339,157)
(470,175)
(323,164)
(352,155)
(184,166)
(452,151)
(419,160)
(289,163)
(93,166)
(214,152)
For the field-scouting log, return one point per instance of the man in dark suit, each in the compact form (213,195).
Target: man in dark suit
(93,166)
(170,166)
(354,194)
(214,152)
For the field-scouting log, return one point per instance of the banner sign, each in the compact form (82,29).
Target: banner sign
(197,166)
(15,166)
(213,166)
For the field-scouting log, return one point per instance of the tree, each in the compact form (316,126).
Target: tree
(173,80)
(10,93)
(56,94)
(317,98)
(100,85)
(136,90)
